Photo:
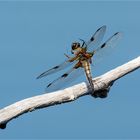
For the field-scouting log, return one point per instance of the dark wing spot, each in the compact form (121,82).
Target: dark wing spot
(56,67)
(64,75)
(103,45)
(116,33)
(49,85)
(92,38)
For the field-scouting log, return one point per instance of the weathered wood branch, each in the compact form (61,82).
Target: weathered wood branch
(102,85)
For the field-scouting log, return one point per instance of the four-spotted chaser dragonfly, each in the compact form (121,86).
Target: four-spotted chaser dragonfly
(82,59)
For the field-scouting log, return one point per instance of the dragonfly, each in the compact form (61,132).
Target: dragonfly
(84,55)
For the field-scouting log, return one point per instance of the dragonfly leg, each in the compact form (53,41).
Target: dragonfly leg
(66,55)
(84,43)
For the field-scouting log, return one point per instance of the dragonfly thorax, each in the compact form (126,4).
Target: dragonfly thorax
(85,56)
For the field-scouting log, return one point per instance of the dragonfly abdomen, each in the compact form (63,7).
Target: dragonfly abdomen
(86,67)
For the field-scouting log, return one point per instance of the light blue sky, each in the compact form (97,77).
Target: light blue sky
(34,36)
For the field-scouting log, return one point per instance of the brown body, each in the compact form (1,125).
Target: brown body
(84,60)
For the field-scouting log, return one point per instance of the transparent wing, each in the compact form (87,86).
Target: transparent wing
(64,79)
(106,48)
(57,68)
(96,39)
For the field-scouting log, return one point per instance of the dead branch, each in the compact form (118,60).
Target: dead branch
(102,85)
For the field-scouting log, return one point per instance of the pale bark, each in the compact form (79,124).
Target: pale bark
(102,84)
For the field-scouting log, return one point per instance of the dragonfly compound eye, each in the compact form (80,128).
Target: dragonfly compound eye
(75,45)
(78,45)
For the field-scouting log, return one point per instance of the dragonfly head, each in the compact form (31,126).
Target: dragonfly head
(75,47)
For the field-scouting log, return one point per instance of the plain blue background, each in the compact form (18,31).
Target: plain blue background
(34,36)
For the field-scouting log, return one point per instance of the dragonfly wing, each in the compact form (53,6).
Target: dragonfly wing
(57,68)
(96,39)
(93,42)
(64,79)
(106,48)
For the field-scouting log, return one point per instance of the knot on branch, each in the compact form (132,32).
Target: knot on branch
(103,93)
